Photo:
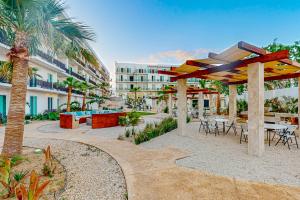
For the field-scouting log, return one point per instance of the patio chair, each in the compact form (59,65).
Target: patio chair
(231,124)
(288,135)
(244,133)
(202,124)
(211,126)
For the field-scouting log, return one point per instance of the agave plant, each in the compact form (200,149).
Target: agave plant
(10,184)
(48,167)
(34,190)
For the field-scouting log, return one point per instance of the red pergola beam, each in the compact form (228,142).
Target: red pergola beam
(236,64)
(272,78)
(170,73)
(253,49)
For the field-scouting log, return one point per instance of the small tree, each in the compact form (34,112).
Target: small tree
(70,83)
(135,90)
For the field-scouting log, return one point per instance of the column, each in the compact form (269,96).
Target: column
(298,131)
(256,145)
(170,104)
(182,107)
(200,104)
(232,102)
(210,97)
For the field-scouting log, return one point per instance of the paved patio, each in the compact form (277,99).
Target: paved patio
(154,174)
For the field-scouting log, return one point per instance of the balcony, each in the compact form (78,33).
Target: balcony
(92,69)
(51,60)
(50,86)
(77,76)
(3,39)
(92,82)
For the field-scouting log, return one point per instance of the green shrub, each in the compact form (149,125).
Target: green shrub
(166,109)
(155,130)
(188,119)
(53,116)
(123,120)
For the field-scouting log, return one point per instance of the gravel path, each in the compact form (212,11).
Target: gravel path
(223,155)
(91,173)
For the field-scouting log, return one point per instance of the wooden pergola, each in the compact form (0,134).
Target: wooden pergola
(239,64)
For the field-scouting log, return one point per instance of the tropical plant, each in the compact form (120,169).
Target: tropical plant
(6,71)
(154,130)
(133,120)
(135,90)
(10,184)
(70,83)
(97,99)
(123,120)
(28,25)
(242,105)
(84,87)
(48,166)
(35,189)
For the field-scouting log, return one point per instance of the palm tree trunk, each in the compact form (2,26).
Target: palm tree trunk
(69,99)
(83,102)
(135,100)
(13,140)
(218,104)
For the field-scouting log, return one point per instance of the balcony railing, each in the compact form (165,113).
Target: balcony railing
(92,69)
(92,82)
(3,39)
(50,86)
(77,76)
(52,60)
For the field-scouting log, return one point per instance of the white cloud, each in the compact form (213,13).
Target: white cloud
(174,56)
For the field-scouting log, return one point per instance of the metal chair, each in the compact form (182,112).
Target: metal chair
(287,135)
(244,133)
(231,124)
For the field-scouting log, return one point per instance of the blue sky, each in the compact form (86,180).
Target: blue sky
(170,31)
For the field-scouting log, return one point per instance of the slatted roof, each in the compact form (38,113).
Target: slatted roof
(231,65)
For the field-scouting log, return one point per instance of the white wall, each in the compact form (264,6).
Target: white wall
(292,92)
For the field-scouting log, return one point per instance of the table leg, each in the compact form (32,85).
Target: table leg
(269,138)
(224,128)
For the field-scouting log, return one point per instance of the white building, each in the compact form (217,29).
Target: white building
(144,76)
(43,93)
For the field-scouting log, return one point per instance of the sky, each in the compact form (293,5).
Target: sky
(171,31)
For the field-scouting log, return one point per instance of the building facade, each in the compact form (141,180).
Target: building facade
(43,92)
(144,76)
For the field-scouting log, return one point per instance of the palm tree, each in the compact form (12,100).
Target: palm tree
(97,99)
(135,90)
(70,83)
(84,87)
(28,25)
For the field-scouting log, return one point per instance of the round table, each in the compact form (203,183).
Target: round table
(271,127)
(222,120)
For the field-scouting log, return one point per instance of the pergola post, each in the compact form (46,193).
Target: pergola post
(211,103)
(182,106)
(232,102)
(200,104)
(298,131)
(170,104)
(256,145)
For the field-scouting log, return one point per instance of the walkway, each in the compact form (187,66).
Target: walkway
(153,174)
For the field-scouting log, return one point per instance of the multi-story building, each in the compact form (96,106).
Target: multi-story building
(144,76)
(43,92)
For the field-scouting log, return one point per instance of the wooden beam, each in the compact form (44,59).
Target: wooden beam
(170,73)
(271,78)
(234,65)
(260,51)
(198,64)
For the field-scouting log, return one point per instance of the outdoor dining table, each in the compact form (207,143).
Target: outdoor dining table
(223,121)
(271,127)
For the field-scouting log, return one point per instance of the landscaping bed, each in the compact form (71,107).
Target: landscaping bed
(30,160)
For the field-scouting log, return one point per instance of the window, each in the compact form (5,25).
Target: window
(33,82)
(121,78)
(70,70)
(161,78)
(50,103)
(122,70)
(2,106)
(142,78)
(50,78)
(131,78)
(153,78)
(131,86)
(33,105)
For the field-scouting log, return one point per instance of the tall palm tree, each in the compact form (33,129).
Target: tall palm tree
(29,25)
(70,83)
(135,90)
(84,87)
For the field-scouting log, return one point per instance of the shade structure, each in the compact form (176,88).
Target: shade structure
(231,65)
